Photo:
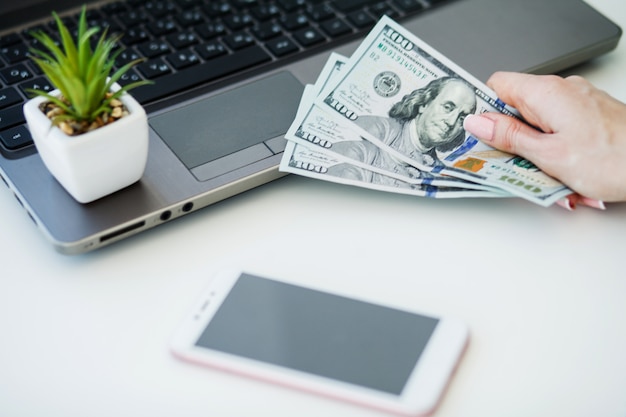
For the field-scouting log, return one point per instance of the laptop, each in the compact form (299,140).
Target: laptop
(228,78)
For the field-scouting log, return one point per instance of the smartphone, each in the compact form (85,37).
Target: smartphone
(363,352)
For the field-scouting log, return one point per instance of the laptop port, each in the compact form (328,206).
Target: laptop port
(19,200)
(122,231)
(187,207)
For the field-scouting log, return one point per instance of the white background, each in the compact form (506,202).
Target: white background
(543,291)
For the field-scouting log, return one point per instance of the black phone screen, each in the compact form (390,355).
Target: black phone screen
(319,333)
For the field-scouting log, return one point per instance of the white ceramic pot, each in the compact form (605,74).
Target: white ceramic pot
(97,163)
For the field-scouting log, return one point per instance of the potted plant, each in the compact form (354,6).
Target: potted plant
(90,133)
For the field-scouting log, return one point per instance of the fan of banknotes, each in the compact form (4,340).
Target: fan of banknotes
(390,118)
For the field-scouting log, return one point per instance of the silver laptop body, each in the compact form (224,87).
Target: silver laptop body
(184,174)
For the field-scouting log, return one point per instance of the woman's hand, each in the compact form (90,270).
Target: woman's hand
(580,135)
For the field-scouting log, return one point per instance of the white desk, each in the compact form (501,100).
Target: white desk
(543,291)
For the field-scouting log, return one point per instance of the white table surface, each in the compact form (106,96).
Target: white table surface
(543,291)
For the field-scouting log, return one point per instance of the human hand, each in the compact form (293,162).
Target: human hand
(580,137)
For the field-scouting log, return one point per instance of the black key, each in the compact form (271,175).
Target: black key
(106,24)
(133,18)
(409,5)
(190,18)
(294,21)
(335,27)
(14,53)
(215,8)
(159,8)
(161,27)
(16,137)
(238,21)
(182,59)
(238,40)
(135,35)
(16,73)
(202,73)
(11,116)
(128,77)
(40,83)
(188,4)
(34,43)
(266,12)
(291,5)
(240,4)
(210,50)
(308,37)
(8,97)
(154,48)
(320,12)
(210,30)
(381,9)
(34,68)
(126,56)
(349,5)
(135,3)
(9,39)
(182,39)
(267,30)
(361,19)
(154,68)
(282,46)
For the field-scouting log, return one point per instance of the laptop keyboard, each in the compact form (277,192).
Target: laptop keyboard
(194,42)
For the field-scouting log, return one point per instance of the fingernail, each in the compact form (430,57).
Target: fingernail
(590,202)
(479,126)
(566,203)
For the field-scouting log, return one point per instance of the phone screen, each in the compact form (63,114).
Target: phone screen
(319,333)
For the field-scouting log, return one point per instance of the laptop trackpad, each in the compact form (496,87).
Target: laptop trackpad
(233,129)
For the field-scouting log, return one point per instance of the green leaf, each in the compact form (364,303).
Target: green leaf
(51,98)
(67,41)
(83,74)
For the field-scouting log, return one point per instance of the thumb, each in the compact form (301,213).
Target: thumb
(505,133)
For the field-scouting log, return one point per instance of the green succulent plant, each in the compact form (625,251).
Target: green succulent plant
(83,75)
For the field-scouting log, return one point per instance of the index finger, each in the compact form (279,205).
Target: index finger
(531,95)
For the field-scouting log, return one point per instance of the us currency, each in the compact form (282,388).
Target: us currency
(408,100)
(323,134)
(315,163)
(309,162)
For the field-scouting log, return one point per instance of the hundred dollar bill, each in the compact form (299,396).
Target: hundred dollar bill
(309,162)
(315,163)
(329,133)
(409,101)
(346,143)
(327,76)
